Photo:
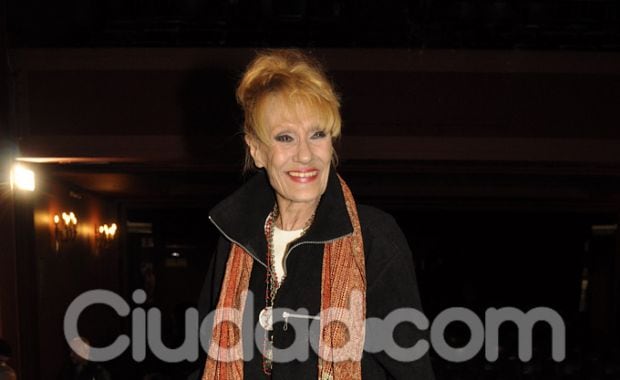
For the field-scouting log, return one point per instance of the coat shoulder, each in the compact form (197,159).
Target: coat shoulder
(376,221)
(383,238)
(372,213)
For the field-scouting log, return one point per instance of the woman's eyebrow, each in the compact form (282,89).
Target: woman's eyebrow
(278,131)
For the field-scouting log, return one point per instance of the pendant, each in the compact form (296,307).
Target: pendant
(265,318)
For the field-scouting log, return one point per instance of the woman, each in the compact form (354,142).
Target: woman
(294,238)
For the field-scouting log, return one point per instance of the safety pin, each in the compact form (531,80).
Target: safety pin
(286,315)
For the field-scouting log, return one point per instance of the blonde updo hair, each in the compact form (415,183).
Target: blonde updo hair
(297,79)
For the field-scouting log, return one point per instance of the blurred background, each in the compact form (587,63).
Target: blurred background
(488,128)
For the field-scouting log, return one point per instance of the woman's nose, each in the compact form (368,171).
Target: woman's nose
(304,153)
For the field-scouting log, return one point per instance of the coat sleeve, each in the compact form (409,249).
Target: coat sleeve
(391,284)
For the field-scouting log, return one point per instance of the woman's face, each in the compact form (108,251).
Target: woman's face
(298,153)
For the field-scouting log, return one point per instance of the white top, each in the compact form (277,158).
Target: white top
(281,238)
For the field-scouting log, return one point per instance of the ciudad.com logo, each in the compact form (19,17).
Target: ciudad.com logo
(371,335)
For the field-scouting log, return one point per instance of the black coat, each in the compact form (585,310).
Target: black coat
(391,280)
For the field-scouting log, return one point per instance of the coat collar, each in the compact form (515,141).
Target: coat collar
(241,216)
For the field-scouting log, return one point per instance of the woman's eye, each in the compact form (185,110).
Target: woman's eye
(284,138)
(319,135)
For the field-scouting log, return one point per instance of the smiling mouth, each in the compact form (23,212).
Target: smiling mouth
(304,174)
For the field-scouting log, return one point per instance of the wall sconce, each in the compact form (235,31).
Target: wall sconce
(105,234)
(22,178)
(65,227)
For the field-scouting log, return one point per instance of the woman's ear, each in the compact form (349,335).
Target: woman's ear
(255,151)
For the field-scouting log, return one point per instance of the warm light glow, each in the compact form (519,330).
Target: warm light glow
(85,230)
(42,218)
(66,231)
(107,233)
(22,178)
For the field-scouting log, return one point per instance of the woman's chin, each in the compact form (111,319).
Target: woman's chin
(306,198)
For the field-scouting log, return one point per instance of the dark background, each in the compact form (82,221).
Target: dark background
(489,129)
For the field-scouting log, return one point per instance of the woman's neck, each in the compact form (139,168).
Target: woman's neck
(294,215)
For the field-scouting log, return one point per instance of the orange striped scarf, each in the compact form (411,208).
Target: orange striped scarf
(343,292)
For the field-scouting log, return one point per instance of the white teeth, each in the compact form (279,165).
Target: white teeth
(304,174)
